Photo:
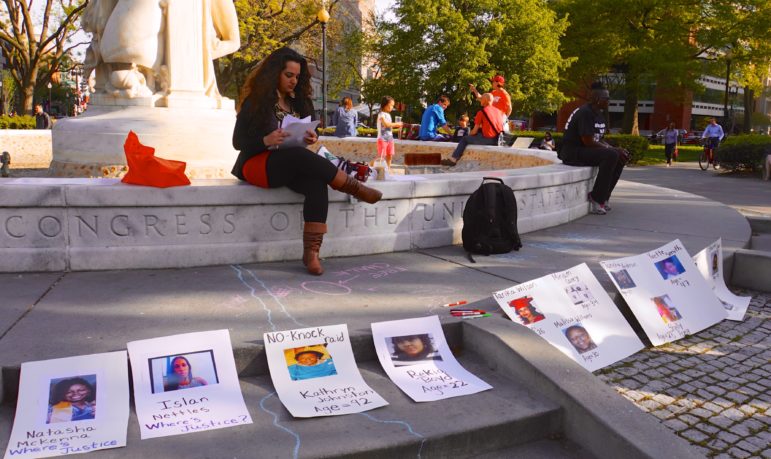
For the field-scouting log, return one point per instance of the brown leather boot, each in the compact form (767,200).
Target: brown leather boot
(347,184)
(313,235)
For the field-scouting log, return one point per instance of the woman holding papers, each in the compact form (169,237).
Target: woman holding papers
(278,87)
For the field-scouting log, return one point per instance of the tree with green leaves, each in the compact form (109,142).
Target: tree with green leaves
(433,48)
(35,43)
(665,42)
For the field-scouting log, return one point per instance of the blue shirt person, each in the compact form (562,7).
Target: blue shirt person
(713,131)
(433,118)
(310,366)
(347,118)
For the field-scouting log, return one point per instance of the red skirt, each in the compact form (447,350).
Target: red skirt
(254,170)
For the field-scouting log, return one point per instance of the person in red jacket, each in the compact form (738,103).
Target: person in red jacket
(488,124)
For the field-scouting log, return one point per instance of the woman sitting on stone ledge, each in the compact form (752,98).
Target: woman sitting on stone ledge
(278,86)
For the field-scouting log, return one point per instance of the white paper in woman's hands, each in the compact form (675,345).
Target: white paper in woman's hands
(296,128)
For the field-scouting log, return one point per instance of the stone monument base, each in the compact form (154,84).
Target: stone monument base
(92,145)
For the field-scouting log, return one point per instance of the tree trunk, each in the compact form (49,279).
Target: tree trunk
(749,107)
(28,94)
(631,90)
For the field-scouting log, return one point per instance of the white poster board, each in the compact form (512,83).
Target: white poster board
(710,264)
(57,413)
(572,311)
(186,383)
(415,355)
(666,292)
(315,374)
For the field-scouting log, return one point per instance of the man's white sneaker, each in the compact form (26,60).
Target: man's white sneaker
(595,207)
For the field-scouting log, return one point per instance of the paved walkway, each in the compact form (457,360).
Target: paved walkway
(712,388)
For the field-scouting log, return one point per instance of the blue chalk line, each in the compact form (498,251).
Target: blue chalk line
(405,424)
(296,451)
(253,293)
(275,298)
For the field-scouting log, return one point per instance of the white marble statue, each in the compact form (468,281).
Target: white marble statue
(165,48)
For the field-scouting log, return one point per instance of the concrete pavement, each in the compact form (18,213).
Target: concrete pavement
(58,315)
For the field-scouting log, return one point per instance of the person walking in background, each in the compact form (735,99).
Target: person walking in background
(501,98)
(488,125)
(670,142)
(42,120)
(347,118)
(582,145)
(385,135)
(433,118)
(281,85)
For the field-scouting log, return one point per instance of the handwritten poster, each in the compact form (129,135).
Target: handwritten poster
(572,311)
(710,264)
(186,383)
(70,406)
(315,374)
(666,292)
(415,355)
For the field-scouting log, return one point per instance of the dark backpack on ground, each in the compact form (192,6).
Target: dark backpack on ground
(490,220)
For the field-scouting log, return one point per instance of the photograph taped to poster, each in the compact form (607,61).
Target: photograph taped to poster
(572,311)
(315,374)
(56,412)
(415,355)
(186,383)
(669,296)
(709,262)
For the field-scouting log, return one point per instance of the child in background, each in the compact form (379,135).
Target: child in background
(462,129)
(385,135)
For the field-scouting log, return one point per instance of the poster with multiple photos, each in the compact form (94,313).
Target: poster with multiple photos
(666,292)
(415,355)
(572,311)
(710,264)
(315,374)
(186,383)
(70,406)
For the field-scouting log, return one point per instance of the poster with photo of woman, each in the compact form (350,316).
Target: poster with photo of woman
(185,384)
(670,298)
(573,312)
(709,262)
(415,355)
(87,395)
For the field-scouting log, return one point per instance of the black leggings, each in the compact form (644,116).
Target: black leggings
(304,172)
(610,167)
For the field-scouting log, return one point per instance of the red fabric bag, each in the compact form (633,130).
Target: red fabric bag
(144,168)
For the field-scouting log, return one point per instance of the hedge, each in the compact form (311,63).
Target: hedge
(17,122)
(744,151)
(360,131)
(637,145)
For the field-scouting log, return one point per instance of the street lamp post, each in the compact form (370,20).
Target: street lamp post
(323,17)
(50,101)
(728,56)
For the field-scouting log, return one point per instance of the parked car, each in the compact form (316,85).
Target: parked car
(692,138)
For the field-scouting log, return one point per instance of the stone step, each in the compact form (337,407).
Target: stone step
(752,270)
(551,449)
(761,242)
(493,420)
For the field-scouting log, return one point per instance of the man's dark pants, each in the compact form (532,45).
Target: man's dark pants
(610,164)
(478,139)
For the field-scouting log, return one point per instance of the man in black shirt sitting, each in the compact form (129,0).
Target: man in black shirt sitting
(583,146)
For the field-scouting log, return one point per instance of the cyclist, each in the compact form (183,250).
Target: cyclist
(712,136)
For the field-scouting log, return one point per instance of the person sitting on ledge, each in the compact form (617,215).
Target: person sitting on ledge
(489,121)
(582,145)
(433,118)
(281,85)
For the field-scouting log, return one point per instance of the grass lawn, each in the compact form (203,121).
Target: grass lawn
(655,154)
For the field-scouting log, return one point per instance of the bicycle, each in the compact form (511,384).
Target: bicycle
(707,155)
